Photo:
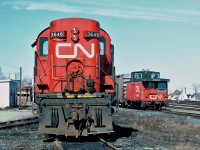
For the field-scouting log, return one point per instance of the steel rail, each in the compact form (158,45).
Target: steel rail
(185,108)
(184,105)
(108,144)
(13,123)
(194,115)
(57,144)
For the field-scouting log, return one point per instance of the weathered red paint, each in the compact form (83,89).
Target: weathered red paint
(55,71)
(137,91)
(74,82)
(147,88)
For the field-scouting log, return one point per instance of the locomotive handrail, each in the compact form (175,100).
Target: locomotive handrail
(115,84)
(54,78)
(41,76)
(39,60)
(109,76)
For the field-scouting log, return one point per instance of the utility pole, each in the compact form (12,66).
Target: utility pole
(20,86)
(185,91)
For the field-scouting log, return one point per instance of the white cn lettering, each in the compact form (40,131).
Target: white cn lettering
(76,46)
(155,96)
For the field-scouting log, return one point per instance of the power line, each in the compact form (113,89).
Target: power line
(9,65)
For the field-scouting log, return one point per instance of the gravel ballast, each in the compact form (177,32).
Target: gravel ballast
(157,130)
(134,130)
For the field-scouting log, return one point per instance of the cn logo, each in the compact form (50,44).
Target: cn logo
(76,47)
(155,96)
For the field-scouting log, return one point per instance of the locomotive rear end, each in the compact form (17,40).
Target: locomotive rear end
(74,78)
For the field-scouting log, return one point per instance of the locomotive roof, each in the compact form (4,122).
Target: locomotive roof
(34,44)
(74,18)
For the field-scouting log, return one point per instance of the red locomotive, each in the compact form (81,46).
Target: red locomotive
(146,89)
(74,74)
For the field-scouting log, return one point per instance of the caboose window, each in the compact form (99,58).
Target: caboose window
(151,85)
(43,46)
(162,86)
(155,75)
(138,75)
(102,46)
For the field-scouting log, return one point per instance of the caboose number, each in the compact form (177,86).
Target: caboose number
(76,46)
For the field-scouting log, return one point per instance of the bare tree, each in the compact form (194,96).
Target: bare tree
(16,75)
(27,81)
(195,87)
(2,76)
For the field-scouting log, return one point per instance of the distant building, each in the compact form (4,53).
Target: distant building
(121,85)
(8,93)
(196,96)
(26,93)
(178,95)
(191,97)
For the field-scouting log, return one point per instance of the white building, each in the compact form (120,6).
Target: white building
(178,95)
(8,93)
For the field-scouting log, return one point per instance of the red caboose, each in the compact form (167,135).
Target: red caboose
(146,89)
(74,74)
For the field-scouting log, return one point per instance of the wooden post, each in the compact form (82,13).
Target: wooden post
(20,95)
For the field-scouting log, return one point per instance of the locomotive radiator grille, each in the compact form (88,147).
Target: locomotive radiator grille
(99,120)
(54,118)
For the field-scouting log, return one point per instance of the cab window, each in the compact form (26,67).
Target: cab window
(102,46)
(43,46)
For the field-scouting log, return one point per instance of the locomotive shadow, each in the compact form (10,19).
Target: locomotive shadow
(119,132)
(89,138)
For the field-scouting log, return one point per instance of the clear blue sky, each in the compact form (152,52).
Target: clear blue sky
(159,35)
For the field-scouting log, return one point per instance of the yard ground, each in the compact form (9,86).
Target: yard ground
(155,130)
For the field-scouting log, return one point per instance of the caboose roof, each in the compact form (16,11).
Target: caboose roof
(149,80)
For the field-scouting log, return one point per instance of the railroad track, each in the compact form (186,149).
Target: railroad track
(13,123)
(57,143)
(185,102)
(194,115)
(183,109)
(186,107)
(108,144)
(61,144)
